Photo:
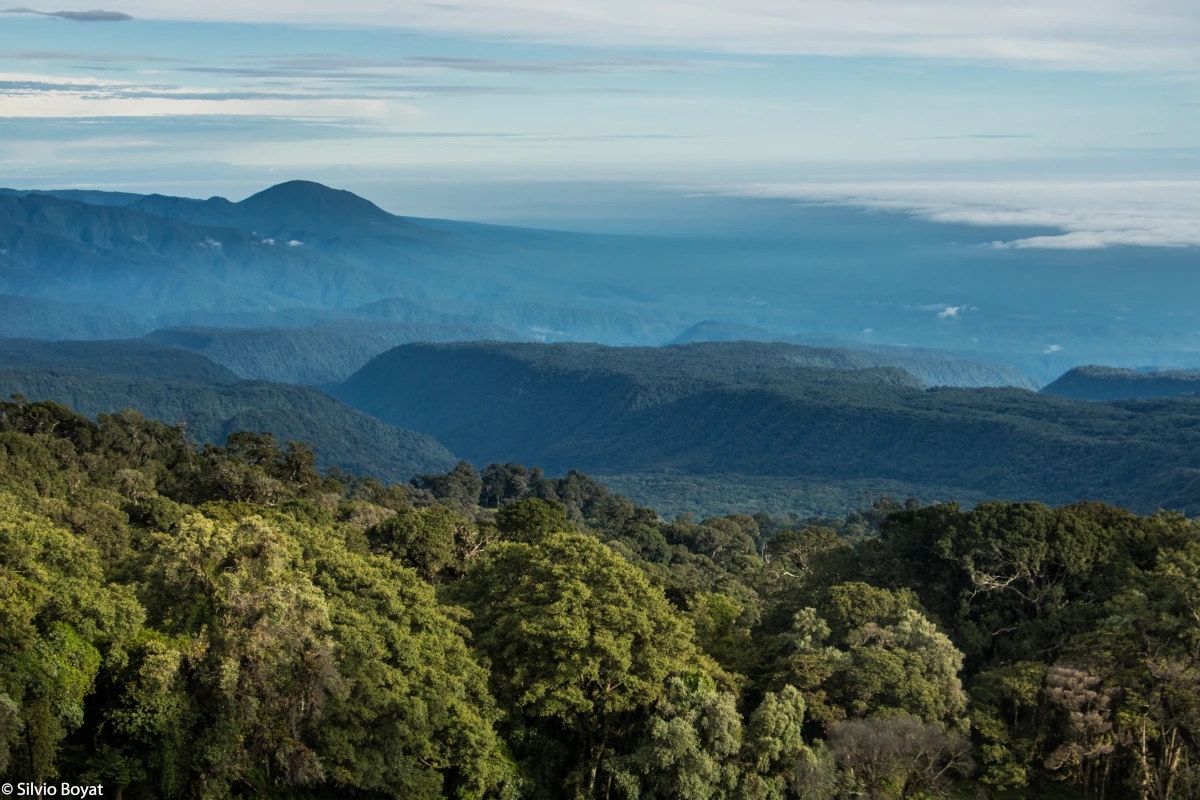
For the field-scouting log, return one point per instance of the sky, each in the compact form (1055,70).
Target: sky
(1079,114)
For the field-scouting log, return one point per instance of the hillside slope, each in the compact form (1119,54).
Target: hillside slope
(1109,383)
(179,386)
(743,408)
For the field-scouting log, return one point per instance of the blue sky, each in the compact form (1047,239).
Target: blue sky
(1085,115)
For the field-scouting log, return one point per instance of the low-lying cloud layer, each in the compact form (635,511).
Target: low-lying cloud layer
(1080,215)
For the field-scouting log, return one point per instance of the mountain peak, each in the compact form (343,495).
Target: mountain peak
(303,199)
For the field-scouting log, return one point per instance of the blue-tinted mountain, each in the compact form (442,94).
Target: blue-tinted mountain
(750,409)
(829,275)
(1109,383)
(146,264)
(300,253)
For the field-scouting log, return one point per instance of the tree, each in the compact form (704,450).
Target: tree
(690,746)
(425,539)
(532,519)
(907,667)
(899,757)
(1085,715)
(262,662)
(460,488)
(413,718)
(1007,714)
(775,752)
(60,623)
(579,638)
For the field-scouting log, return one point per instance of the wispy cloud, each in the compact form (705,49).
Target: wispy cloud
(90,58)
(969,136)
(95,15)
(1116,34)
(412,67)
(1078,215)
(49,96)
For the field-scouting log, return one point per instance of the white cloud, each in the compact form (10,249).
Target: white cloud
(48,96)
(950,312)
(1080,215)
(1098,34)
(1052,348)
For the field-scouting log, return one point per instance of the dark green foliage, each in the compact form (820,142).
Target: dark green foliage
(745,409)
(194,623)
(532,519)
(225,622)
(425,539)
(714,495)
(459,488)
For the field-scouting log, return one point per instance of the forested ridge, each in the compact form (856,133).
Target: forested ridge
(209,622)
(1109,383)
(755,409)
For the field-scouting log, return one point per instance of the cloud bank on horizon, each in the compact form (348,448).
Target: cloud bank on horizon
(1081,215)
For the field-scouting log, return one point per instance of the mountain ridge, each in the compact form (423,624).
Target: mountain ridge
(1101,383)
(641,410)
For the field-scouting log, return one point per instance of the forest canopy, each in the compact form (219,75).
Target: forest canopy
(179,621)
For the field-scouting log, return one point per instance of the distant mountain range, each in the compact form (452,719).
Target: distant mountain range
(296,253)
(761,409)
(84,264)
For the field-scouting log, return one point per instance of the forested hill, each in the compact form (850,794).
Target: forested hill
(1109,383)
(228,623)
(179,386)
(745,408)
